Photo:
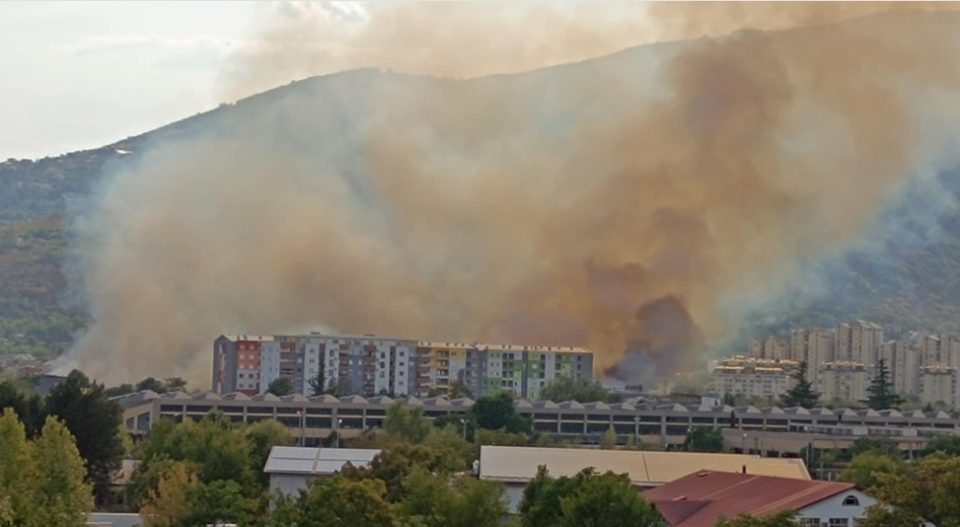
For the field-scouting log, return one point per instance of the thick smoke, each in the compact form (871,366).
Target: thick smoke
(619,203)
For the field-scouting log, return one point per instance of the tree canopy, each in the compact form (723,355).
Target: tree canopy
(880,394)
(701,439)
(95,422)
(495,412)
(588,499)
(41,481)
(281,386)
(802,393)
(567,388)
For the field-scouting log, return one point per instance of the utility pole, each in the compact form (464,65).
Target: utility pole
(339,424)
(464,423)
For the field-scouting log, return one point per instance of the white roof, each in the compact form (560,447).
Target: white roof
(646,469)
(316,461)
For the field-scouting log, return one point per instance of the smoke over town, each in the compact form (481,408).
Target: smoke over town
(623,203)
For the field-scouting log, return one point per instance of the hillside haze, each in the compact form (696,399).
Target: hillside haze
(650,204)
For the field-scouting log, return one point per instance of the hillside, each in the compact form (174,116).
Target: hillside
(907,277)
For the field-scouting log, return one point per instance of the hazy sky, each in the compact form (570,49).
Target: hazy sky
(81,75)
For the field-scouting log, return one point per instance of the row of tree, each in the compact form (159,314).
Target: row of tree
(41,480)
(91,418)
(880,393)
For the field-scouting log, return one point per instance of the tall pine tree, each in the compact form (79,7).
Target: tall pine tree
(802,393)
(880,394)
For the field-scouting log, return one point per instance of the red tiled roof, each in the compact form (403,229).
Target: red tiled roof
(702,498)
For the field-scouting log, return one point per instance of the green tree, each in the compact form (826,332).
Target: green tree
(168,502)
(262,437)
(318,384)
(609,439)
(882,445)
(701,439)
(212,445)
(18,475)
(28,407)
(882,516)
(802,394)
(116,391)
(606,500)
(880,395)
(588,499)
(495,412)
(926,490)
(396,463)
(281,386)
(948,445)
(783,519)
(63,498)
(432,501)
(151,384)
(408,424)
(93,420)
(341,502)
(218,502)
(865,468)
(567,388)
(173,384)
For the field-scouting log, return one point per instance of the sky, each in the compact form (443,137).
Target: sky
(82,75)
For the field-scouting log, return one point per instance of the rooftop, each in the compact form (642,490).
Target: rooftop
(646,469)
(316,461)
(700,499)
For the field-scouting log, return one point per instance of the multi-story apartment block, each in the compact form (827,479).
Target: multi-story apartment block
(490,368)
(815,347)
(349,364)
(938,384)
(843,381)
(858,341)
(370,365)
(773,348)
(902,359)
(753,377)
(237,363)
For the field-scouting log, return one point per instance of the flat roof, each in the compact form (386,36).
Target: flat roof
(316,461)
(646,469)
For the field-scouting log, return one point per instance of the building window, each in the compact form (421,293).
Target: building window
(810,522)
(851,500)
(839,522)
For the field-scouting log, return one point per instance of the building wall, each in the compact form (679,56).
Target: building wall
(843,381)
(834,508)
(753,377)
(938,384)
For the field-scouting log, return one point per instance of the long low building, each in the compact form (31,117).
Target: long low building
(514,467)
(315,418)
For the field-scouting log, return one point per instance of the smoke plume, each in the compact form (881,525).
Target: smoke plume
(622,203)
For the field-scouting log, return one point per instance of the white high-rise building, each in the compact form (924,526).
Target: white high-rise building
(858,341)
(844,381)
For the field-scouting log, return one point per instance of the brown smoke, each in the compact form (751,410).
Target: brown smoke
(625,203)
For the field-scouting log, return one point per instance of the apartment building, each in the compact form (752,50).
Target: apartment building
(938,384)
(753,377)
(815,347)
(348,364)
(902,359)
(771,348)
(858,341)
(237,363)
(371,365)
(843,381)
